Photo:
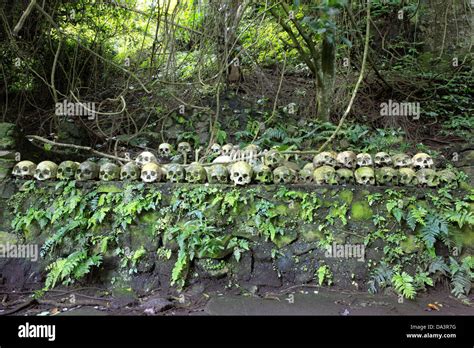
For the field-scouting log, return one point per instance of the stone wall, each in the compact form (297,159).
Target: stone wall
(305,220)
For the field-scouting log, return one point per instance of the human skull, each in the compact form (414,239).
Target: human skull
(165,150)
(24,169)
(364,176)
(175,173)
(241,173)
(401,160)
(185,147)
(218,174)
(326,158)
(195,173)
(216,149)
(67,170)
(305,175)
(46,170)
(144,158)
(447,177)
(422,161)
(407,177)
(151,172)
(263,174)
(427,178)
(382,159)
(364,160)
(129,172)
(87,171)
(344,176)
(346,159)
(227,149)
(273,158)
(252,148)
(283,175)
(325,175)
(109,172)
(309,166)
(386,176)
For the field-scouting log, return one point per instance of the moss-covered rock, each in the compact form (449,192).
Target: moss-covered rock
(410,245)
(346,196)
(361,211)
(110,188)
(282,240)
(7,238)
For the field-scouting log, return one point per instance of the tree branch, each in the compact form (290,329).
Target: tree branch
(77,147)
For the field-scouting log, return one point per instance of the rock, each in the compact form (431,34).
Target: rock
(242,269)
(212,268)
(264,275)
(8,155)
(6,167)
(156,305)
(361,211)
(123,296)
(301,247)
(285,263)
(263,251)
(287,238)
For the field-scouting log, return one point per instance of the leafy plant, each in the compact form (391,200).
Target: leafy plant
(324,274)
(403,284)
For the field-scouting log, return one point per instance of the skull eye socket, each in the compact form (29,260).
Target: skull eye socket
(24,169)
(152,173)
(87,171)
(46,172)
(102,172)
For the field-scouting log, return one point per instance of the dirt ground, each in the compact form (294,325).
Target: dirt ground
(300,300)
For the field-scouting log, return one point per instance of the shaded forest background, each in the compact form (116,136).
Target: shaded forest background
(238,71)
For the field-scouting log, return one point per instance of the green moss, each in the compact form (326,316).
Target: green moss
(149,217)
(245,231)
(310,233)
(409,245)
(282,209)
(7,238)
(346,196)
(285,239)
(465,186)
(361,211)
(463,237)
(109,188)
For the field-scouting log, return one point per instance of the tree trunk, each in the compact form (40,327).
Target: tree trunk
(325,81)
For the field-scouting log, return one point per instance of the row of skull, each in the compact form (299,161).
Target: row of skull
(239,173)
(273,158)
(351,160)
